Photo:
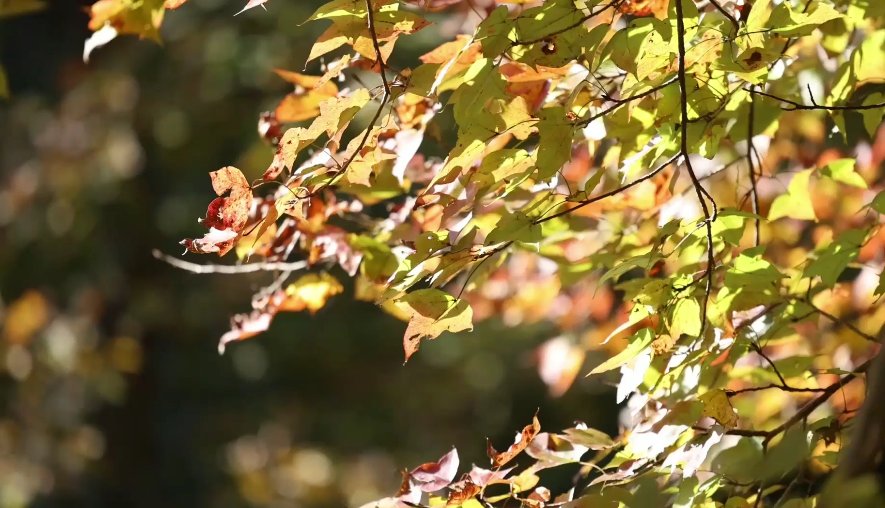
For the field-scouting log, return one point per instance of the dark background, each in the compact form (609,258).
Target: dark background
(118,397)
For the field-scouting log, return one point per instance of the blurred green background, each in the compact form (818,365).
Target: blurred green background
(111,390)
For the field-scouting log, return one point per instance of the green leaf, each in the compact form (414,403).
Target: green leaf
(832,260)
(742,462)
(686,318)
(796,203)
(555,145)
(785,456)
(750,270)
(842,170)
(591,438)
(785,21)
(878,203)
(516,226)
(638,342)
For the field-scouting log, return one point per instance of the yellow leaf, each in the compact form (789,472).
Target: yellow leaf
(311,292)
(718,407)
(796,203)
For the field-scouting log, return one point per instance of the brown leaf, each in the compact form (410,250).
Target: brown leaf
(462,492)
(520,443)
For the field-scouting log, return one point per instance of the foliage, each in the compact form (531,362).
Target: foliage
(653,170)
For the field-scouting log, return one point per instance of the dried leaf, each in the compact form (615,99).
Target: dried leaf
(520,443)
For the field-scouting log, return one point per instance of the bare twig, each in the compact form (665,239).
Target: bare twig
(229,269)
(750,149)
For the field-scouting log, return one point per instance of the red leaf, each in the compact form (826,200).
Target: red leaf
(520,443)
(434,476)
(226,216)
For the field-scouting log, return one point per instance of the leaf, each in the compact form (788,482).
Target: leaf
(842,170)
(718,407)
(786,455)
(98,39)
(9,8)
(831,261)
(555,145)
(591,438)
(226,216)
(252,4)
(796,203)
(520,443)
(742,462)
(785,21)
(686,318)
(878,203)
(637,343)
(4,84)
(433,476)
(430,313)
(141,18)
(310,292)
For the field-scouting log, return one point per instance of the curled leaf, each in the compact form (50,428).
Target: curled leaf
(433,476)
(520,443)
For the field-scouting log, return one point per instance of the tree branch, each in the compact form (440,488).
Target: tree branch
(699,189)
(792,105)
(608,194)
(229,269)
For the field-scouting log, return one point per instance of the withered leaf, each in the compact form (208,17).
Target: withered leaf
(520,443)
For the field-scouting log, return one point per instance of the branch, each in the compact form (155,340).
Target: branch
(382,66)
(620,102)
(229,269)
(792,105)
(783,388)
(699,189)
(385,98)
(828,392)
(750,149)
(608,194)
(840,321)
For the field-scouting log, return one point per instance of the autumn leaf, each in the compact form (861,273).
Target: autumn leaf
(431,312)
(520,443)
(226,216)
(433,476)
(310,292)
(252,4)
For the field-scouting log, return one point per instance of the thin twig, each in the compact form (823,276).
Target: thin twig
(806,410)
(230,269)
(750,149)
(620,102)
(699,189)
(608,194)
(792,105)
(840,321)
(731,18)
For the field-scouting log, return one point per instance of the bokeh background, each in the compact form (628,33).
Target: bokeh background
(111,389)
